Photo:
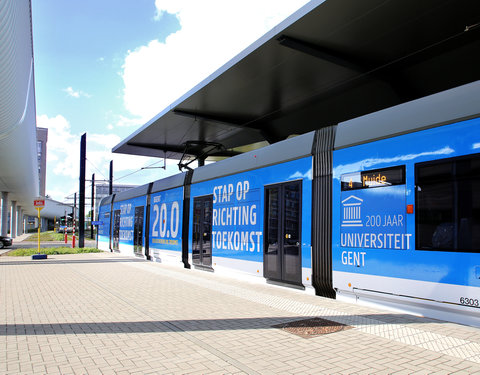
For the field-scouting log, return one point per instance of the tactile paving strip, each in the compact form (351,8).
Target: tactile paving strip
(455,347)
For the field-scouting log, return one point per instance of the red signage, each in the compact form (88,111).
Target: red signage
(39,203)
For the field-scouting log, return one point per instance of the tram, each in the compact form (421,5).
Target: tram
(381,209)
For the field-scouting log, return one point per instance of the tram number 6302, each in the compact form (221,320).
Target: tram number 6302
(469,301)
(160,222)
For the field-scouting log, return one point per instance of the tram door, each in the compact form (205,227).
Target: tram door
(116,229)
(282,247)
(202,231)
(138,230)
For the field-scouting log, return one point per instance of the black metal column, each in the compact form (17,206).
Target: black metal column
(81,203)
(110,184)
(74,217)
(146,234)
(185,217)
(322,212)
(92,209)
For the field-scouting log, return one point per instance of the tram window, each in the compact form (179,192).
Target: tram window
(448,204)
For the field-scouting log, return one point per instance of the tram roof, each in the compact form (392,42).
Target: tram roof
(331,61)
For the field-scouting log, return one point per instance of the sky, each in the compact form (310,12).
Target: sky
(106,67)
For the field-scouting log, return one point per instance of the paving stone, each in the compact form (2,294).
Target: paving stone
(107,314)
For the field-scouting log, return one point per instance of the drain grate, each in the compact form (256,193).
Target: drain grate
(312,327)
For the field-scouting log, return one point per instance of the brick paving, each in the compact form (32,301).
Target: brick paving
(108,314)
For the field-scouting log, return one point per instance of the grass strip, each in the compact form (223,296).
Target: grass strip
(52,251)
(47,236)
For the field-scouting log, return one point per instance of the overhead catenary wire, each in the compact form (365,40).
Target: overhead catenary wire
(138,170)
(97,169)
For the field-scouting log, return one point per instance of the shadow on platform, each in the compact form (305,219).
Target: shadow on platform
(196,325)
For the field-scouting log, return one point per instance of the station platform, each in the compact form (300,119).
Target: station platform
(108,314)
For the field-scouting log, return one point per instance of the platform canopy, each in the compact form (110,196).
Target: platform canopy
(330,61)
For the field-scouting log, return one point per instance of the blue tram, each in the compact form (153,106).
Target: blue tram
(381,209)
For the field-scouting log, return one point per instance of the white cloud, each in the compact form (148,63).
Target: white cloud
(105,140)
(63,158)
(212,32)
(155,75)
(76,94)
(127,122)
(116,120)
(60,138)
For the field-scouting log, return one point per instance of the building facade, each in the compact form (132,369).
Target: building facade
(18,159)
(42,137)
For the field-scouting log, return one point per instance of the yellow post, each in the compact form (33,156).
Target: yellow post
(39,209)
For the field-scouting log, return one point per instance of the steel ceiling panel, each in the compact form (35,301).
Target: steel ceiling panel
(338,59)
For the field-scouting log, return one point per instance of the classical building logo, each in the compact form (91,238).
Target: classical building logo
(352,215)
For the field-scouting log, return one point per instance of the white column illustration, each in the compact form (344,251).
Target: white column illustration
(352,215)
